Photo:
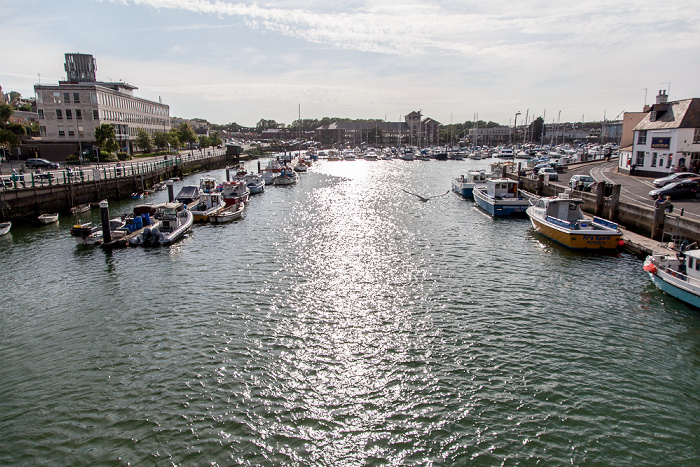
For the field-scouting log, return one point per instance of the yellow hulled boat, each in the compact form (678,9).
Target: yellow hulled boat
(561,219)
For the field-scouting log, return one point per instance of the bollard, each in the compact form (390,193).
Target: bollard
(228,174)
(171,191)
(599,198)
(104,211)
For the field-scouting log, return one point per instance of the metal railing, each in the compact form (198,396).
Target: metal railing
(83,174)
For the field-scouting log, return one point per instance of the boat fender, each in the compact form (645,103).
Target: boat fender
(649,267)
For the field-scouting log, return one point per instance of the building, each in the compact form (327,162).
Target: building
(666,140)
(492,136)
(69,112)
(414,130)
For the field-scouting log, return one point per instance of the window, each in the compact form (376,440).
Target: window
(56,97)
(642,138)
(71,131)
(696,137)
(40,98)
(66,97)
(69,114)
(95,114)
(653,159)
(61,131)
(40,113)
(93,98)
(42,130)
(640,158)
(670,160)
(80,131)
(59,114)
(78,114)
(76,97)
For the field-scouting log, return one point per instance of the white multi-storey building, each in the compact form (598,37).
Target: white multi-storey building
(70,111)
(666,140)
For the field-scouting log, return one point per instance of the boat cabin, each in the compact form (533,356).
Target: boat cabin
(502,188)
(566,209)
(207,184)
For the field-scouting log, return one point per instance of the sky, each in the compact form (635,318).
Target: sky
(238,61)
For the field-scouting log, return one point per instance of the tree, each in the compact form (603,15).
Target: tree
(144,140)
(266,125)
(186,134)
(160,139)
(11,134)
(204,141)
(536,129)
(173,137)
(216,139)
(106,138)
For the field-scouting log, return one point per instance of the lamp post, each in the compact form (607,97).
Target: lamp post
(515,125)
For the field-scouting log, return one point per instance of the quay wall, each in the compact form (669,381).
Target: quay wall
(639,219)
(25,204)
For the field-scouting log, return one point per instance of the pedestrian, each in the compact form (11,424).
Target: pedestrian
(659,201)
(634,166)
(21,178)
(668,204)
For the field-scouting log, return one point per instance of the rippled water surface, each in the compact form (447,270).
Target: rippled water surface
(342,322)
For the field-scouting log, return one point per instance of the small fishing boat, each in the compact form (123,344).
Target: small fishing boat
(676,273)
(75,210)
(501,197)
(236,191)
(255,183)
(231,213)
(287,176)
(91,234)
(188,194)
(561,219)
(209,203)
(271,172)
(137,195)
(5,227)
(464,185)
(48,218)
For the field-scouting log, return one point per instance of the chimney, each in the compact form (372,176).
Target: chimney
(662,98)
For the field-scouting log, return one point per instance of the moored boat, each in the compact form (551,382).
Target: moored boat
(271,172)
(236,191)
(230,213)
(562,220)
(80,209)
(48,218)
(175,221)
(5,227)
(676,273)
(209,203)
(287,176)
(464,185)
(501,197)
(91,234)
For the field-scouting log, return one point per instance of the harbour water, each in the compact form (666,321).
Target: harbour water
(342,322)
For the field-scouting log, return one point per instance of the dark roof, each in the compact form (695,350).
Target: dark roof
(667,115)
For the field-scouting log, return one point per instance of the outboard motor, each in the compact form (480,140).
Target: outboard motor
(156,236)
(146,236)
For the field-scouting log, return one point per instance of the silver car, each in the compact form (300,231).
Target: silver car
(677,177)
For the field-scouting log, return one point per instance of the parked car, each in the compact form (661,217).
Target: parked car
(581,182)
(688,188)
(36,163)
(553,175)
(659,182)
(7,182)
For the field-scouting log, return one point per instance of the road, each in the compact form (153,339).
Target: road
(634,189)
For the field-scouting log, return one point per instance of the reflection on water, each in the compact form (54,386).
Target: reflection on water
(342,322)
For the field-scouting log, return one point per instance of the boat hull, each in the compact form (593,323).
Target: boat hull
(500,207)
(577,240)
(674,287)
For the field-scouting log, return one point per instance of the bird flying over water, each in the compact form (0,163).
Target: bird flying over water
(425,198)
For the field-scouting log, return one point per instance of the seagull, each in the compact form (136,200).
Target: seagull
(425,198)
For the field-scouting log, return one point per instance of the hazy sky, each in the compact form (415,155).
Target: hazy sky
(233,61)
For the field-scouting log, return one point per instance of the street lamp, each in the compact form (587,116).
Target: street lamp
(515,125)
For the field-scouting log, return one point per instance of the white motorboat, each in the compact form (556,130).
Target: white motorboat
(230,213)
(677,273)
(209,203)
(464,185)
(48,218)
(91,234)
(175,221)
(236,191)
(271,172)
(501,197)
(254,182)
(5,227)
(286,177)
